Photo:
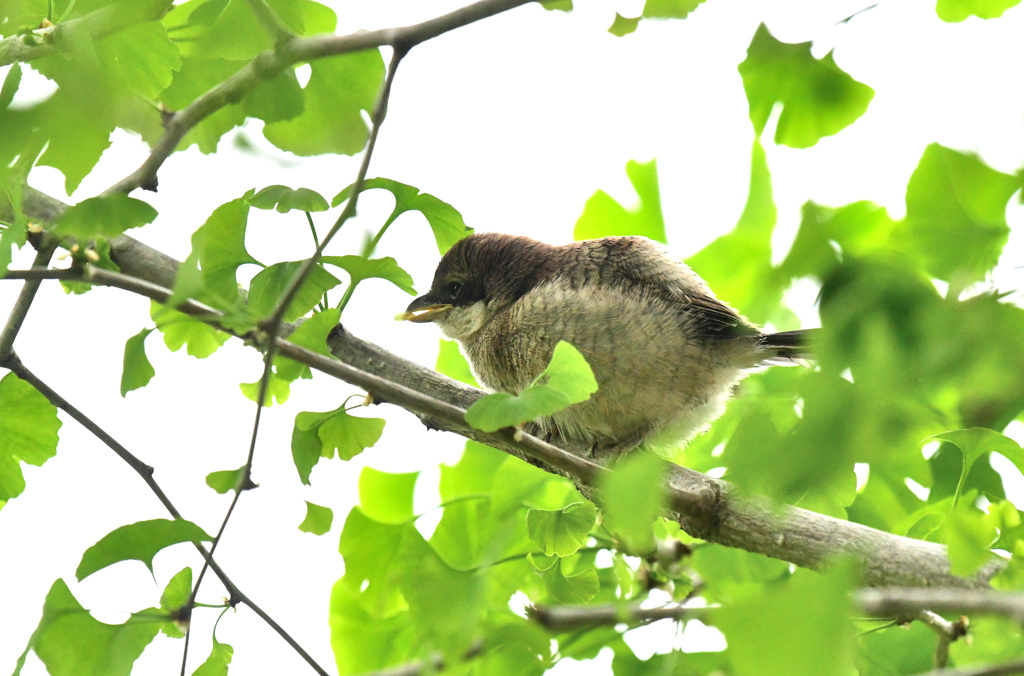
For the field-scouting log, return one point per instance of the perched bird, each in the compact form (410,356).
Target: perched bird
(665,352)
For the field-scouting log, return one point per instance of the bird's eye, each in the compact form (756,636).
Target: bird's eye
(454,289)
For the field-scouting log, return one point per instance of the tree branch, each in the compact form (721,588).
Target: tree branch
(24,302)
(706,508)
(268,64)
(1014,667)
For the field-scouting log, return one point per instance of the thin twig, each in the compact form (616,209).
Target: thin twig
(24,302)
(12,362)
(569,617)
(1014,667)
(272,23)
(946,631)
(268,64)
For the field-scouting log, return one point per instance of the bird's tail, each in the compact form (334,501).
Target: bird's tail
(790,344)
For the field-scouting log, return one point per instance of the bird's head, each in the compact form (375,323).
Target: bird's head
(479,276)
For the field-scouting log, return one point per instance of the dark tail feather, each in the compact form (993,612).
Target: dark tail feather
(790,344)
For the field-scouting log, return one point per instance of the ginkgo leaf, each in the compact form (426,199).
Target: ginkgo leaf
(28,433)
(140,541)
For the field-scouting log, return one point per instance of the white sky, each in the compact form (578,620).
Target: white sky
(515,121)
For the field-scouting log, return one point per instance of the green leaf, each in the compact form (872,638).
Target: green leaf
(28,433)
(387,497)
(632,497)
(71,642)
(277,390)
(269,284)
(360,268)
(451,363)
(818,98)
(179,329)
(810,621)
(137,371)
(141,57)
(339,90)
(623,26)
(318,519)
(285,199)
(217,663)
(318,435)
(569,380)
(138,541)
(857,229)
(955,11)
(602,216)
(312,335)
(975,442)
(225,480)
(106,217)
(956,214)
(177,591)
(218,249)
(473,474)
(370,551)
(670,9)
(445,221)
(564,531)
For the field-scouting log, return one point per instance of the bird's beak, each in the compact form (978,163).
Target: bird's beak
(423,309)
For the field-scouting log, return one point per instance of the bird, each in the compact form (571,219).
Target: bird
(665,352)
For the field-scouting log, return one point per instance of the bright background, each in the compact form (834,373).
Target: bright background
(515,121)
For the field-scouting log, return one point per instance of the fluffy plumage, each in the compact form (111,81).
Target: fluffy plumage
(665,352)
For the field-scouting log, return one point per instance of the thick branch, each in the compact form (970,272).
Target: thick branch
(706,507)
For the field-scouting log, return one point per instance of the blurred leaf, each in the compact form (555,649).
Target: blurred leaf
(602,216)
(955,11)
(738,265)
(179,329)
(670,9)
(217,663)
(632,496)
(318,519)
(71,642)
(818,98)
(141,57)
(268,286)
(387,497)
(106,217)
(285,199)
(225,480)
(567,380)
(445,221)
(360,268)
(339,90)
(811,632)
(557,5)
(564,531)
(968,535)
(579,587)
(473,474)
(139,541)
(28,433)
(362,642)
(369,549)
(956,214)
(137,371)
(855,229)
(623,26)
(445,605)
(451,363)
